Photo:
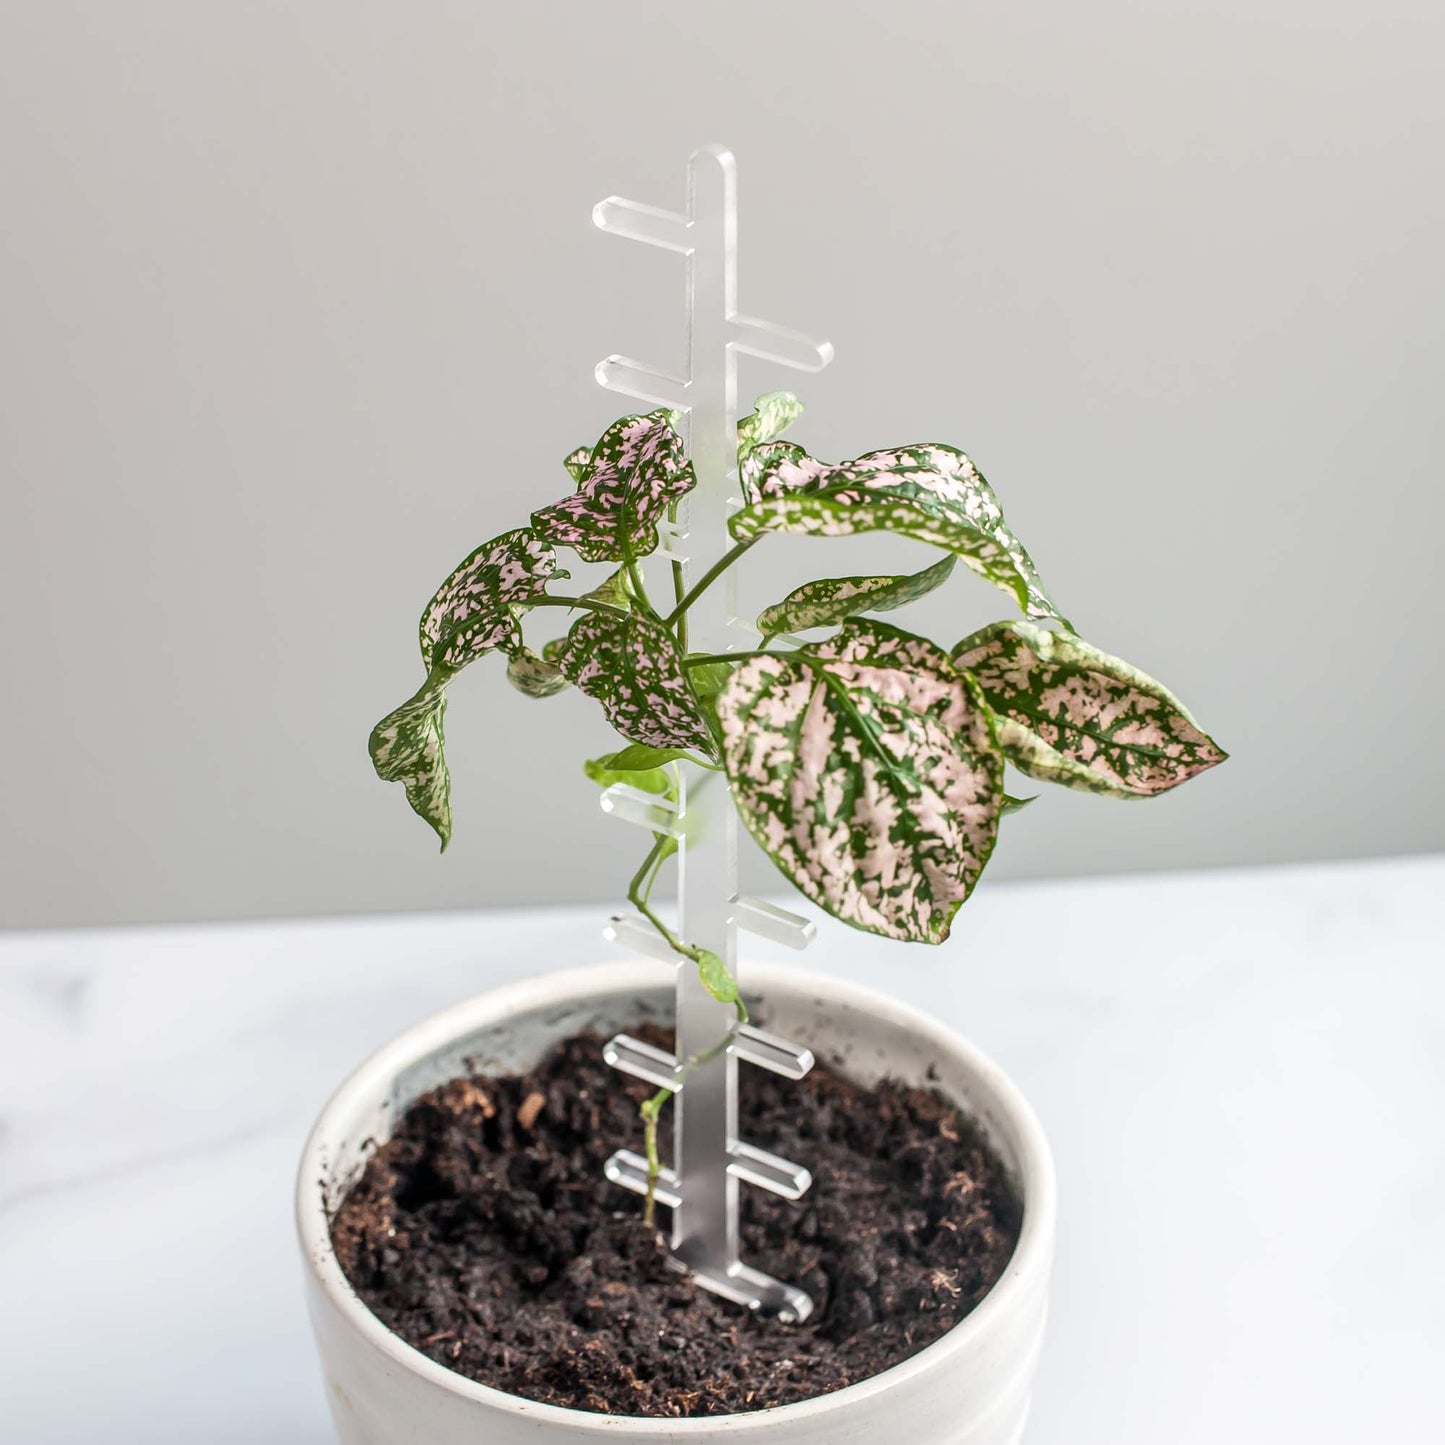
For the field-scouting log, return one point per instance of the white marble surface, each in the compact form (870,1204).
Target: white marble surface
(1243,1075)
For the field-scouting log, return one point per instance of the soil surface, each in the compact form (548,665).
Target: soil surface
(485,1235)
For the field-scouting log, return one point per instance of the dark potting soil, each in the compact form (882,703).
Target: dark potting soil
(485,1235)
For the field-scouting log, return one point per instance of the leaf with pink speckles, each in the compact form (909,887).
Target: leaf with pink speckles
(471,613)
(931,492)
(867,769)
(632,666)
(831,599)
(624,485)
(1068,713)
(772,414)
(408,746)
(577,463)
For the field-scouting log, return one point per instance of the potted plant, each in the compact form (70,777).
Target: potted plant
(868,763)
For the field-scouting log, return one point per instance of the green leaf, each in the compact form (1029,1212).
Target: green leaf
(615,591)
(632,666)
(637,756)
(633,474)
(534,676)
(866,768)
(822,603)
(709,678)
(1009,805)
(638,767)
(772,414)
(471,613)
(715,977)
(408,746)
(649,780)
(1068,713)
(643,768)
(933,493)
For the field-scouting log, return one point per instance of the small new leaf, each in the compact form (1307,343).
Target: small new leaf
(638,767)
(615,591)
(633,474)
(534,676)
(471,613)
(866,768)
(1068,713)
(772,414)
(933,493)
(715,977)
(632,666)
(408,746)
(830,600)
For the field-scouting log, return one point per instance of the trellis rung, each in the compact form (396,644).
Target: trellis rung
(646,810)
(770,1052)
(649,224)
(646,383)
(630,1171)
(643,1061)
(768,1171)
(769,921)
(633,932)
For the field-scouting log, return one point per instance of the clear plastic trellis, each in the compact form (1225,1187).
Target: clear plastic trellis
(710,1158)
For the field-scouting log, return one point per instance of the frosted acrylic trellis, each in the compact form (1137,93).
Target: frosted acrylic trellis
(710,1158)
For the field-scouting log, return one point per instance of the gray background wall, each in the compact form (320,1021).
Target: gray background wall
(298,302)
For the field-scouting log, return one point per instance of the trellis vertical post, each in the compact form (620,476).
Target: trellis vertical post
(710,1159)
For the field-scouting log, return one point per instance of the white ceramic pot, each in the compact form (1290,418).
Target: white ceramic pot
(971,1387)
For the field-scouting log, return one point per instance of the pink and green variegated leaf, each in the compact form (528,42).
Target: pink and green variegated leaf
(471,613)
(631,477)
(867,769)
(408,746)
(631,665)
(822,603)
(1067,713)
(931,492)
(772,414)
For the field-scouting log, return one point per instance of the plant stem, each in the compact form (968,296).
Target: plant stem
(708,578)
(639,894)
(639,587)
(705,657)
(589,603)
(639,891)
(651,1111)
(679,587)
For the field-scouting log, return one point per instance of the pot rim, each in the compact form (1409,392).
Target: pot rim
(1035,1169)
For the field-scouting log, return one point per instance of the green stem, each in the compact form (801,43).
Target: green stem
(708,578)
(639,587)
(638,897)
(679,587)
(639,894)
(651,1111)
(701,658)
(589,603)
